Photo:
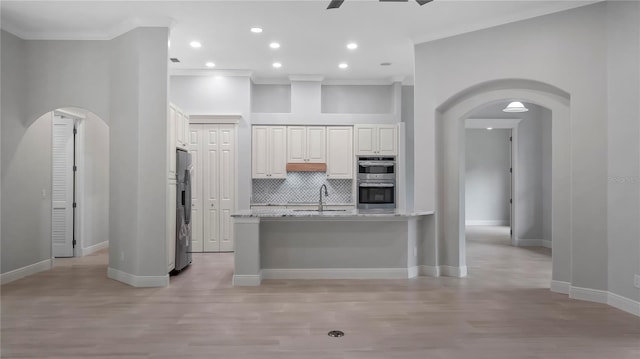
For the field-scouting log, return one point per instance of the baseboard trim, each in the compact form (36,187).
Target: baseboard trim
(244,280)
(26,271)
(588,294)
(560,287)
(429,271)
(94,248)
(546,243)
(413,272)
(497,222)
(623,303)
(450,271)
(138,281)
(336,273)
(522,242)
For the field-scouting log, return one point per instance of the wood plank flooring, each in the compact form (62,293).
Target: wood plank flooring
(504,309)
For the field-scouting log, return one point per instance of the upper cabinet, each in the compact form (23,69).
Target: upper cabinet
(306,144)
(269,152)
(340,152)
(178,131)
(376,140)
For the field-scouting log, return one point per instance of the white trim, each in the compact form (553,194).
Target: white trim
(623,303)
(232,119)
(450,271)
(70,113)
(336,273)
(546,243)
(493,222)
(246,280)
(588,294)
(25,271)
(202,72)
(492,122)
(138,281)
(429,271)
(312,78)
(94,248)
(560,287)
(413,272)
(521,242)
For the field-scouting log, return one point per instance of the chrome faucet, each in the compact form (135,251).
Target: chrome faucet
(326,194)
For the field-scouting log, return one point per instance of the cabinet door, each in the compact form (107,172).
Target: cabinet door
(171,139)
(210,180)
(277,153)
(259,152)
(171,227)
(365,140)
(180,135)
(227,184)
(197,236)
(316,144)
(339,152)
(296,144)
(387,140)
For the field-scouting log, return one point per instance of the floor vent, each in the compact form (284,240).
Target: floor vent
(336,333)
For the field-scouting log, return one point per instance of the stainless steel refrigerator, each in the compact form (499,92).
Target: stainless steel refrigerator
(183,212)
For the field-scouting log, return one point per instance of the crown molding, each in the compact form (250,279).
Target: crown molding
(203,72)
(314,78)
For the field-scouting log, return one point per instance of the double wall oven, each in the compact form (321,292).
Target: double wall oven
(376,182)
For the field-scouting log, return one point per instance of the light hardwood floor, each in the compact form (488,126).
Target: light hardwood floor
(504,309)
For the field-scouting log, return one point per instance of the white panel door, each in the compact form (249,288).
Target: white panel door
(387,140)
(62,187)
(197,235)
(365,140)
(277,153)
(339,152)
(296,144)
(227,183)
(316,144)
(259,152)
(211,188)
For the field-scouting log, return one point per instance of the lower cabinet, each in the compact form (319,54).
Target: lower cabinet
(213,181)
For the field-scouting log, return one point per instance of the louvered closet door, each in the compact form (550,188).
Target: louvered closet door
(194,148)
(211,189)
(62,187)
(227,183)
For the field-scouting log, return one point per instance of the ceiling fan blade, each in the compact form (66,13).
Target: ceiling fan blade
(422,2)
(334,4)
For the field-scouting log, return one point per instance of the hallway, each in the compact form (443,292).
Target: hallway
(504,309)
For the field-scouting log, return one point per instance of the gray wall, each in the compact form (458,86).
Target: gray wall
(488,181)
(357,99)
(124,82)
(623,131)
(547,199)
(270,98)
(95,208)
(406,116)
(567,50)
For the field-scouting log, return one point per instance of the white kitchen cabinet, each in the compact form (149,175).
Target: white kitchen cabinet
(213,156)
(306,144)
(339,152)
(269,152)
(171,225)
(376,140)
(171,140)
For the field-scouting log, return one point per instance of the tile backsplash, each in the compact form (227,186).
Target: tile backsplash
(301,187)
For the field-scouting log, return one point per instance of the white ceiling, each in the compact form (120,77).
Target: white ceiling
(313,40)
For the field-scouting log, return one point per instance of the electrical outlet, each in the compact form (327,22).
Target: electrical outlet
(636,281)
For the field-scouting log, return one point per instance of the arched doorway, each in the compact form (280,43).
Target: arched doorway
(450,145)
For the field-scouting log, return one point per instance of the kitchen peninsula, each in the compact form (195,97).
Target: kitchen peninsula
(331,244)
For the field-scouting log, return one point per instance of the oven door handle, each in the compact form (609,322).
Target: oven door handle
(376,185)
(374,163)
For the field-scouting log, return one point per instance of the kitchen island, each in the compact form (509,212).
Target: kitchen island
(332,244)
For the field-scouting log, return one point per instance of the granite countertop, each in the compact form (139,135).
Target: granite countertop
(280,213)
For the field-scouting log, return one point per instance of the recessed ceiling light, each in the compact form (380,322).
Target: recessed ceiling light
(277,65)
(489,128)
(343,65)
(274,45)
(195,44)
(352,46)
(256,30)
(385,64)
(210,64)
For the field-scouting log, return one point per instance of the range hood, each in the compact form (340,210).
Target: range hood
(306,167)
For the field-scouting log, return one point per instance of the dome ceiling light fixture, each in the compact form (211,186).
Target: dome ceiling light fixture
(334,4)
(515,106)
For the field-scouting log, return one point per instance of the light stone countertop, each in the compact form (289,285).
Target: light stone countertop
(281,213)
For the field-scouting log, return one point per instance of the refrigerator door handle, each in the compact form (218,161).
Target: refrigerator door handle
(186,197)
